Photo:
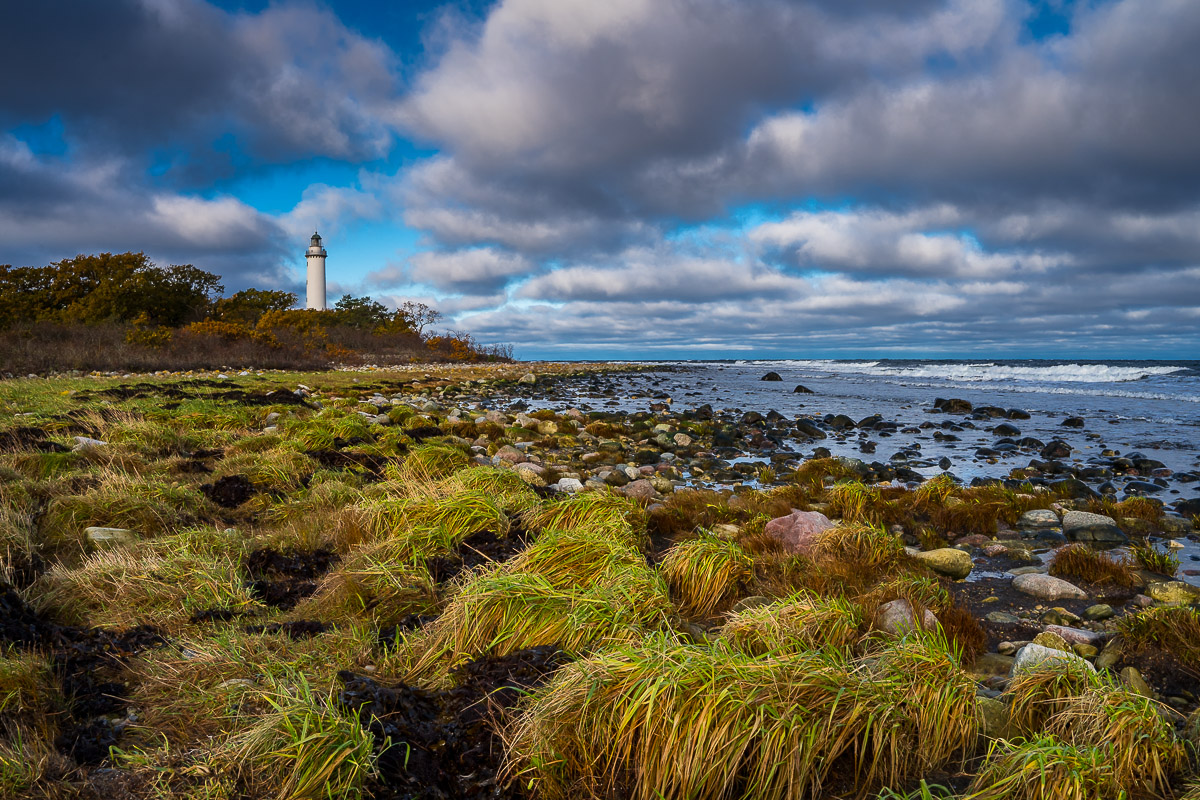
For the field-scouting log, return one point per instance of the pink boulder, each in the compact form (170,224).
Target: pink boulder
(799,530)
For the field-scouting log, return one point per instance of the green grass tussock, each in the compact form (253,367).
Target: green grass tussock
(668,720)
(602,512)
(159,583)
(303,749)
(1037,695)
(706,574)
(373,582)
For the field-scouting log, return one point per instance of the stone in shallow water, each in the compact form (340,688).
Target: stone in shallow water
(1046,587)
(1098,612)
(1002,618)
(1173,593)
(1038,518)
(1082,526)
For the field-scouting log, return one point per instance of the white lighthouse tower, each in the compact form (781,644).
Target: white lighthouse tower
(316,273)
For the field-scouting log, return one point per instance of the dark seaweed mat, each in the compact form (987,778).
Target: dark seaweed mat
(300,629)
(230,491)
(444,743)
(282,579)
(481,547)
(88,663)
(25,438)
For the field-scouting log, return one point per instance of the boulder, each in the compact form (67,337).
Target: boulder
(1073,422)
(809,428)
(947,561)
(771,376)
(799,530)
(1098,612)
(802,390)
(1135,682)
(510,455)
(641,489)
(898,617)
(1055,450)
(952,406)
(1047,587)
(1082,526)
(1031,657)
(528,379)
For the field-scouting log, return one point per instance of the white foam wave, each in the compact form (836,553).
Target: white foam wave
(986,372)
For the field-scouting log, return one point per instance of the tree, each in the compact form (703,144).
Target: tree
(248,305)
(418,316)
(106,288)
(360,312)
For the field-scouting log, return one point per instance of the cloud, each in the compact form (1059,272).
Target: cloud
(478,270)
(126,76)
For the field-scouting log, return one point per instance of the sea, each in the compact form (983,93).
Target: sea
(1131,409)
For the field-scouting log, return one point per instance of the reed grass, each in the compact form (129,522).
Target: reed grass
(303,749)
(1037,695)
(372,582)
(1082,562)
(853,502)
(1144,752)
(796,624)
(1175,629)
(1046,768)
(667,720)
(706,574)
(1150,558)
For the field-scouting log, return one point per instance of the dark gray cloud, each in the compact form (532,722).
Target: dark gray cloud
(132,76)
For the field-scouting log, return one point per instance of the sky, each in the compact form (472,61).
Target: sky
(639,178)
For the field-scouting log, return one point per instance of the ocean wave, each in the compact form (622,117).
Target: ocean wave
(986,372)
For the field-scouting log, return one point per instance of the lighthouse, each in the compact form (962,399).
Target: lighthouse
(316,273)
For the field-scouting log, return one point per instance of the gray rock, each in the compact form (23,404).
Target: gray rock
(528,379)
(1047,587)
(1031,657)
(1135,682)
(1076,635)
(994,720)
(1002,618)
(569,485)
(1098,612)
(898,617)
(87,443)
(1082,526)
(641,489)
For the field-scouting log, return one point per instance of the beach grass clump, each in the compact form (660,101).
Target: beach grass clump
(429,461)
(688,510)
(1039,694)
(149,506)
(430,526)
(602,512)
(323,430)
(1175,629)
(199,688)
(281,468)
(26,684)
(962,629)
(372,582)
(1150,558)
(502,611)
(161,583)
(796,624)
(812,474)
(1092,566)
(853,502)
(706,574)
(1046,768)
(1144,751)
(665,719)
(304,748)
(579,559)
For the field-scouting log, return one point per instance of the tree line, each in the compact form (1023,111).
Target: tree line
(181,309)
